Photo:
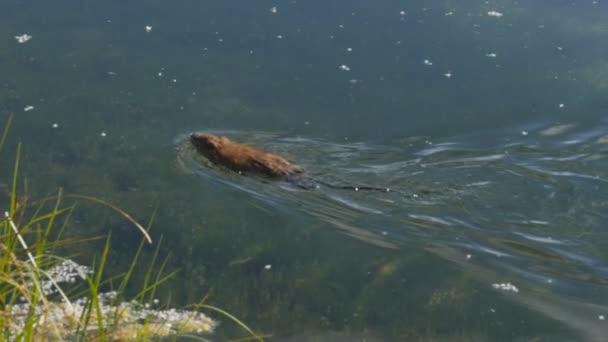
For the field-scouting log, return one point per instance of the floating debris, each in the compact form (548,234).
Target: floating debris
(491,55)
(556,130)
(55,125)
(505,287)
(427,62)
(448,74)
(28,108)
(344,67)
(274,10)
(103,134)
(148,28)
(24,38)
(495,14)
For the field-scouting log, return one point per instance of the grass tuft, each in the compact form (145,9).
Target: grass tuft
(44,296)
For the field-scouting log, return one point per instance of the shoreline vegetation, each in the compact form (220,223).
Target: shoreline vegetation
(44,296)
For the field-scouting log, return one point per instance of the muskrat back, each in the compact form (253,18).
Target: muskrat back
(242,158)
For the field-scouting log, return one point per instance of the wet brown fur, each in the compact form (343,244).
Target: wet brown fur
(242,158)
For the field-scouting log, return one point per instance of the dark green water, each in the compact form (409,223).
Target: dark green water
(491,130)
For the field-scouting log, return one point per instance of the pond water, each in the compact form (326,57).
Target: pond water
(485,119)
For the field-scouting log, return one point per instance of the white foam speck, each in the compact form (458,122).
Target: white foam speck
(505,287)
(24,38)
(495,14)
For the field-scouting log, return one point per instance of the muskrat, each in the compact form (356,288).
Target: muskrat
(245,159)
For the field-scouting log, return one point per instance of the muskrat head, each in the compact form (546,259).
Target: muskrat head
(206,143)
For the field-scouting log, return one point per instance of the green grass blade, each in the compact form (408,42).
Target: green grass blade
(55,212)
(115,208)
(7,126)
(127,277)
(94,287)
(152,263)
(13,205)
(234,319)
(50,217)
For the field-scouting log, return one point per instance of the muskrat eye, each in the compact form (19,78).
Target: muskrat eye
(202,140)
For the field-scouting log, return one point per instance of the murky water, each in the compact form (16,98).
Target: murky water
(486,120)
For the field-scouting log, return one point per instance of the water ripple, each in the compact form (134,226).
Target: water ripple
(527,206)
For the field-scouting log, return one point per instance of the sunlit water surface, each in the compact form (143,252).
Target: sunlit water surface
(518,207)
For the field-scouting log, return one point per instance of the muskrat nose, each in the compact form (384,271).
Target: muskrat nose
(195,135)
